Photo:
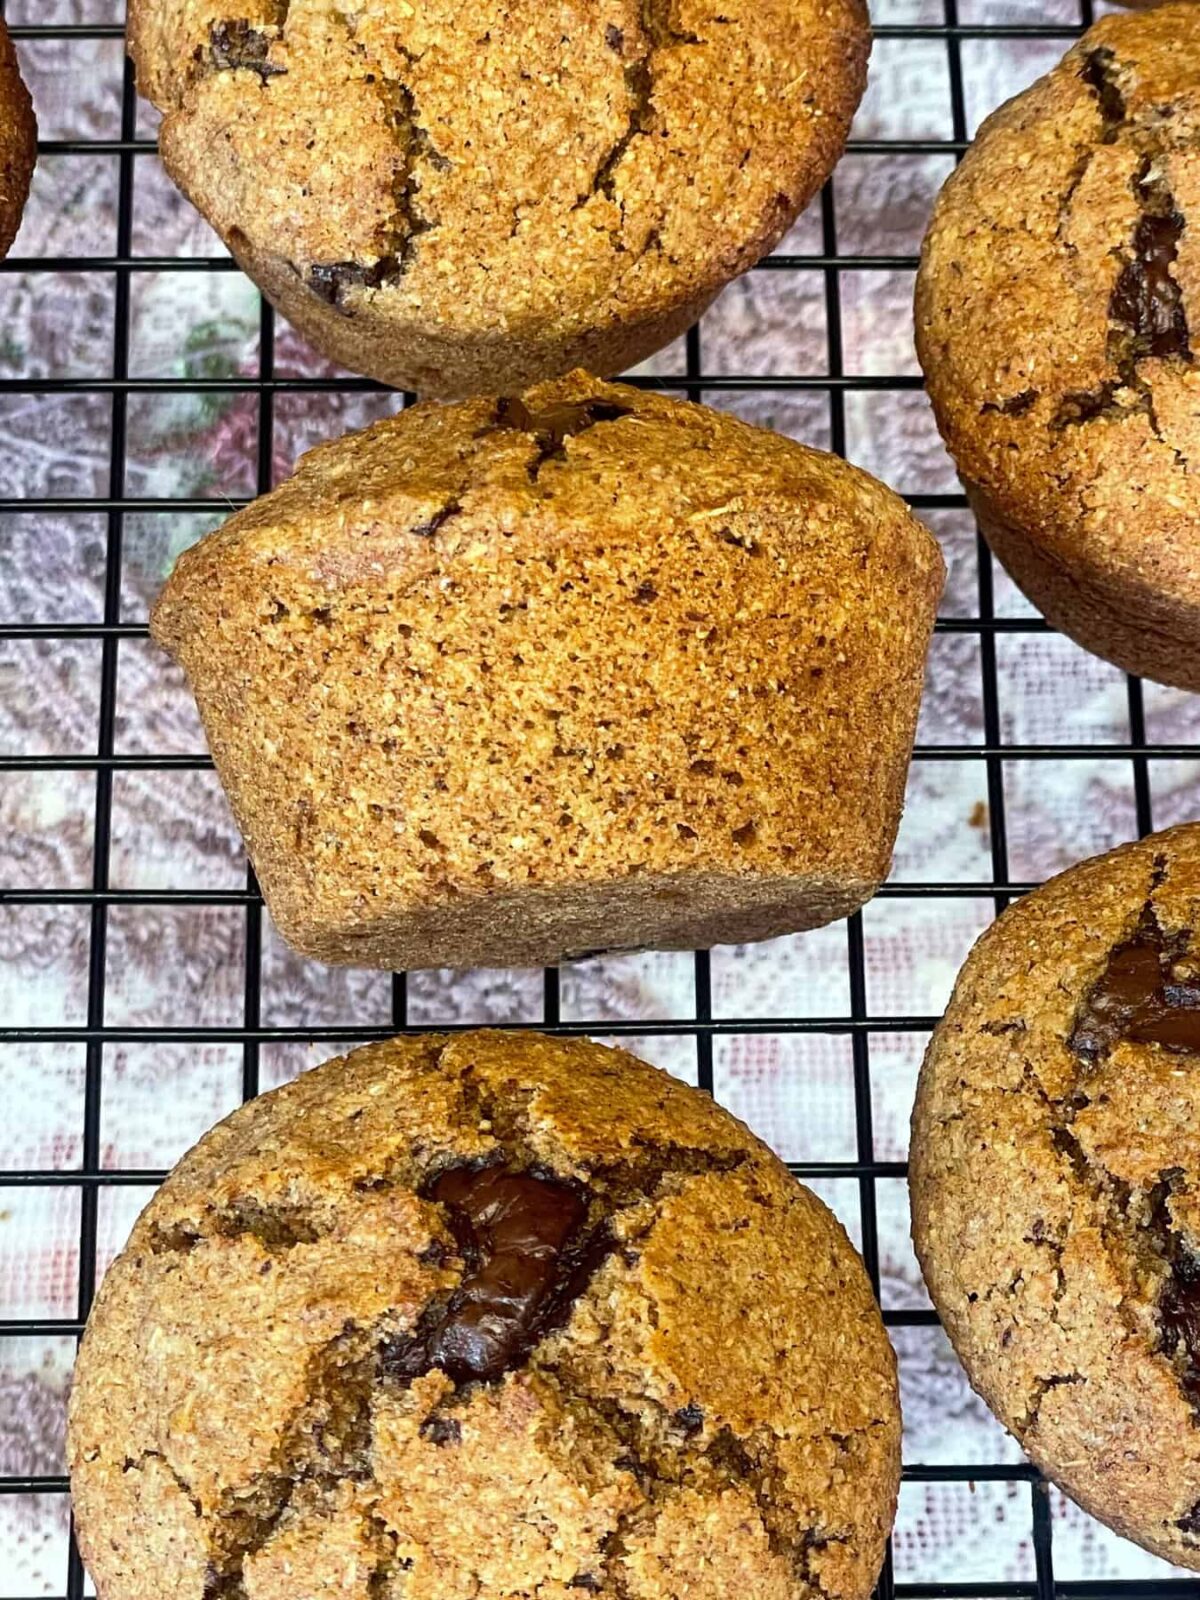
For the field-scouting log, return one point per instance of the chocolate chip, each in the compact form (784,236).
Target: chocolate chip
(1189,1523)
(1147,300)
(1136,997)
(614,38)
(1015,406)
(426,530)
(528,1255)
(1179,1292)
(236,46)
(1179,1318)
(332,281)
(690,1418)
(440,1430)
(1100,75)
(729,1455)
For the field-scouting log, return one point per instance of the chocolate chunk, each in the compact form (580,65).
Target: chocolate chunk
(528,1255)
(1179,1293)
(1137,997)
(558,423)
(1100,75)
(690,1419)
(426,530)
(1147,300)
(1016,405)
(441,1430)
(331,281)
(235,46)
(1179,1318)
(1190,1521)
(730,1456)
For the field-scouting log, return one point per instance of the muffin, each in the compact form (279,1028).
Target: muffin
(1056,1183)
(18,142)
(514,681)
(459,198)
(1058,287)
(498,1315)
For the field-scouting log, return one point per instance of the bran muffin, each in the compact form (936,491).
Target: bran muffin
(514,681)
(1056,1183)
(1058,290)
(494,1315)
(470,195)
(18,142)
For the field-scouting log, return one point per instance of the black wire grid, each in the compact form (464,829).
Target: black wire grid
(91,1177)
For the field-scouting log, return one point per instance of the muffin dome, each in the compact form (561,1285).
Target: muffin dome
(496,1316)
(1057,300)
(463,196)
(1056,1183)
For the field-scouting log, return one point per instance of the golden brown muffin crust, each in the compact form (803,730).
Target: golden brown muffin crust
(510,681)
(716,1405)
(18,142)
(1056,1183)
(1058,291)
(466,196)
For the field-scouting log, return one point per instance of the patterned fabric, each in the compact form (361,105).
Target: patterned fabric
(171,965)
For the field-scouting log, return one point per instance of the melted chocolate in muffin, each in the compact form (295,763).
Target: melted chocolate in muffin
(528,1254)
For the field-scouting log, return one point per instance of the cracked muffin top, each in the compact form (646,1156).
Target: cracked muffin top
(1056,1183)
(18,142)
(495,1315)
(1059,283)
(469,194)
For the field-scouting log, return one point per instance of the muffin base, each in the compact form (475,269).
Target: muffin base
(1163,643)
(544,926)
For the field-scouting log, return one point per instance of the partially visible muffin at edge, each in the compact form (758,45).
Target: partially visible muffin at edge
(1056,1183)
(469,195)
(1057,307)
(495,1315)
(514,681)
(18,142)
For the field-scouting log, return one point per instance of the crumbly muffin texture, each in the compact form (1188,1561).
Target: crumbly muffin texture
(491,1316)
(473,194)
(1056,1183)
(1056,302)
(18,142)
(516,680)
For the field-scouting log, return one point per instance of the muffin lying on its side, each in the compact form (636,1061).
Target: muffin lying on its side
(461,196)
(1057,306)
(496,1316)
(509,681)
(1056,1183)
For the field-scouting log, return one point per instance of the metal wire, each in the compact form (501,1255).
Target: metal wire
(91,1179)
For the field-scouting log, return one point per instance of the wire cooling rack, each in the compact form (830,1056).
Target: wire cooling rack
(1000,25)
